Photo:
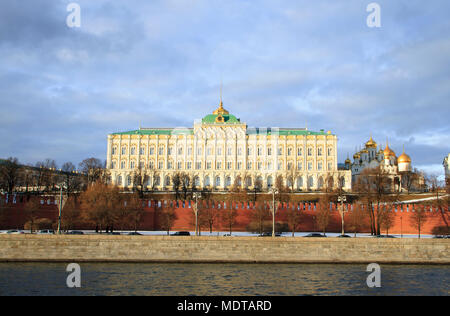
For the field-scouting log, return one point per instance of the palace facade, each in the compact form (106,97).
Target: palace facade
(220,149)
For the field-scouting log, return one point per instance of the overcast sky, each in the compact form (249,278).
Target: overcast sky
(282,63)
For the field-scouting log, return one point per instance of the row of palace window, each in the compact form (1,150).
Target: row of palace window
(217,181)
(209,151)
(228,166)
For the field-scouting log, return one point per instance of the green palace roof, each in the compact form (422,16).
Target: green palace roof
(228,119)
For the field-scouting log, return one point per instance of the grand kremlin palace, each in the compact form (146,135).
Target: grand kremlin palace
(219,149)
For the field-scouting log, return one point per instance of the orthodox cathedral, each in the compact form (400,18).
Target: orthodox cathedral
(373,156)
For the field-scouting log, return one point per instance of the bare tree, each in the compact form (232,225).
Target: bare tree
(294,218)
(26,178)
(185,182)
(176,183)
(259,216)
(291,175)
(208,216)
(167,216)
(93,169)
(323,212)
(257,187)
(418,218)
(72,180)
(9,174)
(136,210)
(32,207)
(228,218)
(375,187)
(387,218)
(71,214)
(356,219)
(140,178)
(100,204)
(410,180)
(439,202)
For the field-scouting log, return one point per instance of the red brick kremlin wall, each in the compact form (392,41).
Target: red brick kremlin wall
(13,216)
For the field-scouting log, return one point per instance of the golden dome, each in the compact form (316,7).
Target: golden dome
(221,110)
(370,143)
(364,151)
(387,152)
(356,156)
(348,161)
(404,158)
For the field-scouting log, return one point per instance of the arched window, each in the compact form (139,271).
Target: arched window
(289,182)
(119,180)
(310,182)
(197,181)
(129,180)
(299,182)
(217,181)
(228,182)
(259,182)
(320,183)
(207,181)
(167,181)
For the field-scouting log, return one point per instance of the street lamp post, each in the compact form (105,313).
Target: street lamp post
(196,196)
(342,199)
(401,226)
(273,191)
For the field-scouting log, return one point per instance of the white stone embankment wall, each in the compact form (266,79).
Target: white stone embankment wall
(104,248)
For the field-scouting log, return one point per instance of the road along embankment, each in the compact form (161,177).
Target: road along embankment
(105,248)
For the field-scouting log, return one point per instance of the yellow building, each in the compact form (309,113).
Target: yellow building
(220,149)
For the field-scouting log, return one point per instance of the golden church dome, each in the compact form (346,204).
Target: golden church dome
(404,158)
(387,152)
(221,110)
(371,143)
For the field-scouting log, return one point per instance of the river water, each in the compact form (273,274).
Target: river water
(222,279)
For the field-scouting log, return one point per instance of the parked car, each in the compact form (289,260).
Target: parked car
(75,232)
(181,234)
(227,235)
(315,235)
(134,234)
(266,234)
(14,232)
(46,232)
(385,236)
(344,236)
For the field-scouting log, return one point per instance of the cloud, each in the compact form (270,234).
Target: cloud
(161,62)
